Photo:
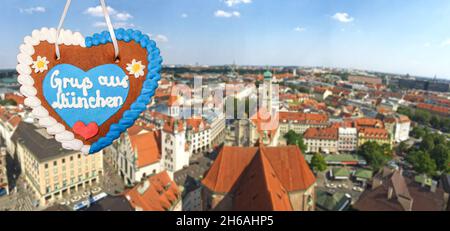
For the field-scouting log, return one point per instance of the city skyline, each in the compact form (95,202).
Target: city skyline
(385,36)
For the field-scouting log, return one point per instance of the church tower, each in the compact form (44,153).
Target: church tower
(267,95)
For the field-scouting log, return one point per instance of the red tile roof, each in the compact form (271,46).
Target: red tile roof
(19,99)
(266,122)
(369,123)
(330,133)
(157,193)
(172,125)
(260,189)
(196,124)
(147,147)
(304,118)
(8,116)
(434,108)
(373,133)
(287,162)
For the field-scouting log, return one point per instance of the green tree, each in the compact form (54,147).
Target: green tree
(376,155)
(427,144)
(293,138)
(402,147)
(418,132)
(422,162)
(405,111)
(318,163)
(441,155)
(8,102)
(435,121)
(422,117)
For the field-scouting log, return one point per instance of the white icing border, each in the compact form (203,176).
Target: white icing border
(67,37)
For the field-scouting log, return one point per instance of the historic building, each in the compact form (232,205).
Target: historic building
(4,186)
(300,122)
(175,149)
(378,135)
(321,140)
(398,127)
(139,154)
(9,119)
(157,193)
(259,179)
(348,139)
(51,170)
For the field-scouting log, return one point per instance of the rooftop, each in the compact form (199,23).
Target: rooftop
(259,177)
(41,145)
(157,193)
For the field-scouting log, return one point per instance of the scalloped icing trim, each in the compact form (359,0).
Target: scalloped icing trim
(148,88)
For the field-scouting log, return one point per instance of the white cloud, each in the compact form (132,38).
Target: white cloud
(231,3)
(300,29)
(124,16)
(98,12)
(343,17)
(31,10)
(161,38)
(445,43)
(184,15)
(116,25)
(226,14)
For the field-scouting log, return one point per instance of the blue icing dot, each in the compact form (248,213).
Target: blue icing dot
(95,42)
(145,37)
(103,40)
(119,31)
(136,35)
(129,31)
(126,38)
(155,51)
(143,42)
(88,42)
(151,45)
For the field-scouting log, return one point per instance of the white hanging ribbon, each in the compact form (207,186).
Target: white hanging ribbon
(108,23)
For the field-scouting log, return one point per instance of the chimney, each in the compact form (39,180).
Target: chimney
(424,180)
(390,192)
(433,186)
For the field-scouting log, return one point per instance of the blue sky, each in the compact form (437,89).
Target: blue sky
(386,35)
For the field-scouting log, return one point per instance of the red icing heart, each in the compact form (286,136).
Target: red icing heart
(86,132)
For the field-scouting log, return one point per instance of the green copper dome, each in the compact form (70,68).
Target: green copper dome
(267,75)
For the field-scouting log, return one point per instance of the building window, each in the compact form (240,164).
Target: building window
(46,165)
(55,163)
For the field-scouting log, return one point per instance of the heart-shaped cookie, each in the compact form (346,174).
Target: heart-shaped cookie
(87,98)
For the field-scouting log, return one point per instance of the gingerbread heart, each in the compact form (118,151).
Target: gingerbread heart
(87,85)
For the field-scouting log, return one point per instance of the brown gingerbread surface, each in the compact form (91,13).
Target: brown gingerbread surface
(86,59)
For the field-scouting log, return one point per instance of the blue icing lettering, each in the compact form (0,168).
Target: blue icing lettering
(92,96)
